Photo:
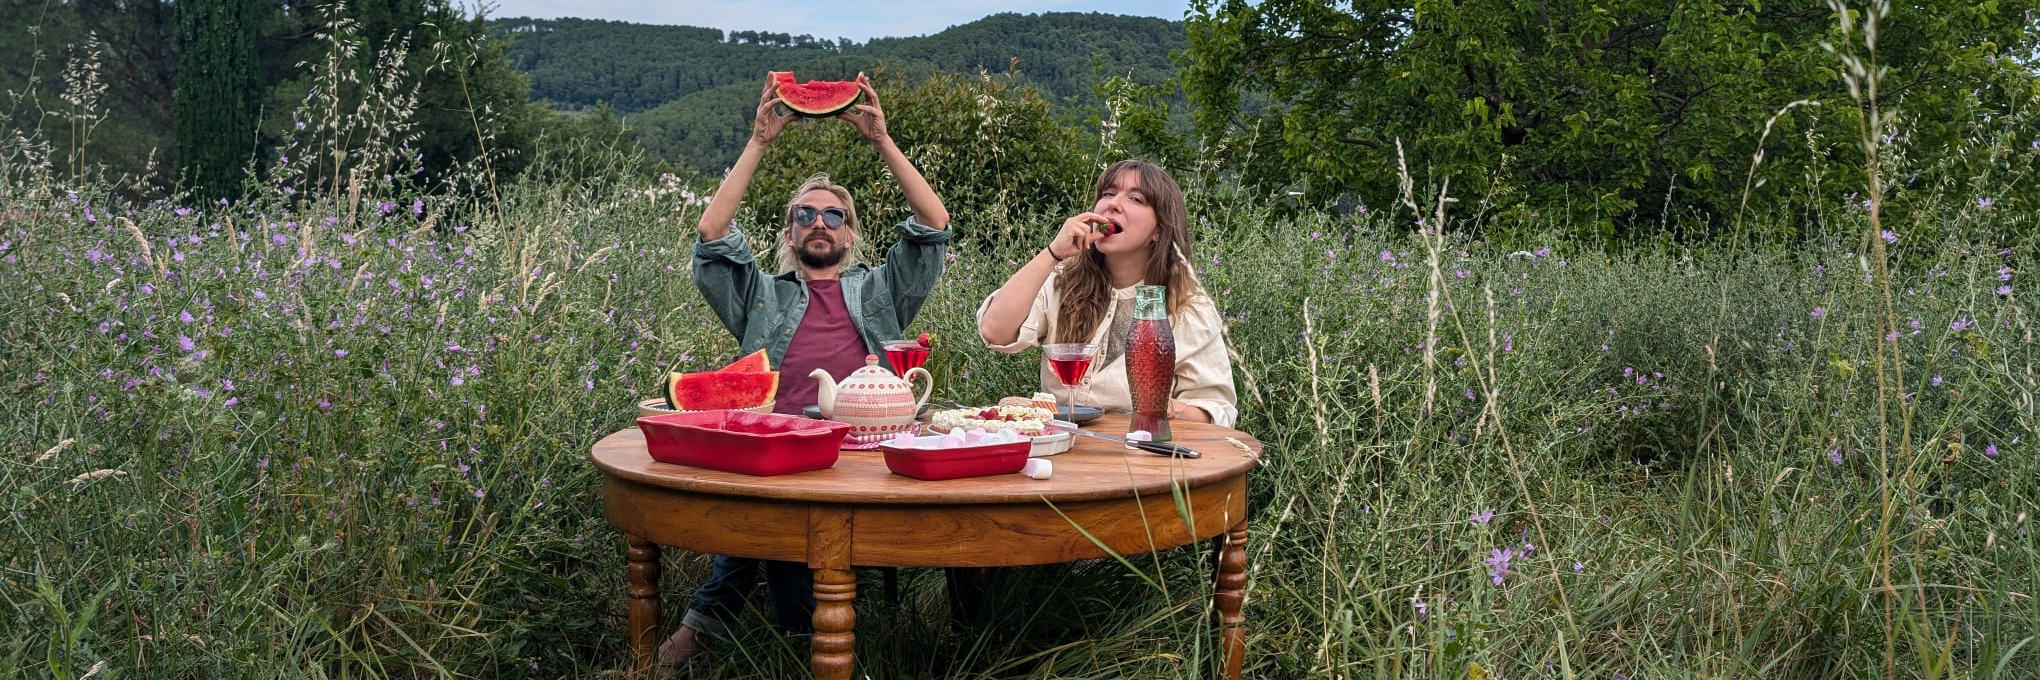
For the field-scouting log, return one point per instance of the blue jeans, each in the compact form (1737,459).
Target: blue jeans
(720,599)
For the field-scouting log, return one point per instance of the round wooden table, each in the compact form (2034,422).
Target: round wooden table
(858,513)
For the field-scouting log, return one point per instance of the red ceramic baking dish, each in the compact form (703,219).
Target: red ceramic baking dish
(965,461)
(762,444)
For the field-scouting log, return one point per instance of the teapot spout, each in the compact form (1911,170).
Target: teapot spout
(825,392)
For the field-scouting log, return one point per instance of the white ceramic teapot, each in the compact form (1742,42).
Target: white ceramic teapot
(872,400)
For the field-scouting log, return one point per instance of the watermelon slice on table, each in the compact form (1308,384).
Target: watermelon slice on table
(719,390)
(816,98)
(754,362)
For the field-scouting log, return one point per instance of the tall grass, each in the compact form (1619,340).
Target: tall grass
(342,432)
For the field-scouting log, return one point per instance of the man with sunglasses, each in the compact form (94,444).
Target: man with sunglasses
(825,309)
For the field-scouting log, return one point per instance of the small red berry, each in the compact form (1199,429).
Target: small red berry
(926,340)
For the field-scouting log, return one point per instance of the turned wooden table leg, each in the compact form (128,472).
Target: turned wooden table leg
(835,586)
(644,604)
(1228,597)
(835,623)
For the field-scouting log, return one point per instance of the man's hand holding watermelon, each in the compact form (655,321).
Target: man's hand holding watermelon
(770,122)
(867,117)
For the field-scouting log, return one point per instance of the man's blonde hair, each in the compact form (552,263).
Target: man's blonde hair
(785,256)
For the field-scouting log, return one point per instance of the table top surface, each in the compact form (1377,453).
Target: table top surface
(1093,469)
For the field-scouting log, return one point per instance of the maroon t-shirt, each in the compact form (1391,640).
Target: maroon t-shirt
(826,339)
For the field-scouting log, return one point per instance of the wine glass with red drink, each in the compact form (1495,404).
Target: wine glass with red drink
(1070,361)
(906,355)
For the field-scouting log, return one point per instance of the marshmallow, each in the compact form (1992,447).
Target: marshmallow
(1038,468)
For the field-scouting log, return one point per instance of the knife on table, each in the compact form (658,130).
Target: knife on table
(1157,448)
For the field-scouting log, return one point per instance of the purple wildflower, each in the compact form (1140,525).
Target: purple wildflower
(184,342)
(2004,290)
(1820,312)
(1834,455)
(339,354)
(1889,236)
(1498,563)
(1984,202)
(184,316)
(1481,517)
(1961,324)
(1935,381)
(1990,451)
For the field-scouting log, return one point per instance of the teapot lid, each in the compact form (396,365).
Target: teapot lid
(871,367)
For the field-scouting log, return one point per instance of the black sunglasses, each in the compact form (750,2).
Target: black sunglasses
(804,215)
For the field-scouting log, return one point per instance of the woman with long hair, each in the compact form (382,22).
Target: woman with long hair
(1080,288)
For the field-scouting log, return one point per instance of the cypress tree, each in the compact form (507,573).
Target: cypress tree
(218,96)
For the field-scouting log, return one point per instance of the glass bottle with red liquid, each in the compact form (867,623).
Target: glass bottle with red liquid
(1151,361)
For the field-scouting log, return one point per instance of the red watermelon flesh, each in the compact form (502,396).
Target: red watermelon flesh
(716,390)
(816,98)
(754,362)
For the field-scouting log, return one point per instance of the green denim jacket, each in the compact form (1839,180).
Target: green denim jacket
(763,311)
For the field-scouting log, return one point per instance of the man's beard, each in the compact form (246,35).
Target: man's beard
(813,260)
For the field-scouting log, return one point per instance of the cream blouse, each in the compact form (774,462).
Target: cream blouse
(1203,369)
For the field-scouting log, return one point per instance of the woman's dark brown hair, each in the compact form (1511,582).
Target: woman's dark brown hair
(1083,283)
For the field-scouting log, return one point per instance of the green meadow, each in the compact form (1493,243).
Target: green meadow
(338,428)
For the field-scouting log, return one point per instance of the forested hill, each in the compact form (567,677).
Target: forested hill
(577,63)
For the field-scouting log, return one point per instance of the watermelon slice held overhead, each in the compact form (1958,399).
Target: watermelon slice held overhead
(816,98)
(754,362)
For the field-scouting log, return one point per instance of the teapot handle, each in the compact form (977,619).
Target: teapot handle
(926,390)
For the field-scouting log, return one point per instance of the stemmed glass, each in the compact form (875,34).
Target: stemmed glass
(905,355)
(1070,361)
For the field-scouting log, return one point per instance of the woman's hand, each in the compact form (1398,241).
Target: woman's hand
(868,117)
(767,125)
(1077,233)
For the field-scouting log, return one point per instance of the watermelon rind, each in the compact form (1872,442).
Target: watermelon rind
(755,362)
(817,98)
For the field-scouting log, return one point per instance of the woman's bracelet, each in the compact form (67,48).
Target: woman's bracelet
(1051,253)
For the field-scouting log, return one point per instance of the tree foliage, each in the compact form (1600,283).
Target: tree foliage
(688,89)
(109,70)
(218,95)
(1605,111)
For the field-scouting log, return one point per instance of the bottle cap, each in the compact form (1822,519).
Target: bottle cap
(1150,302)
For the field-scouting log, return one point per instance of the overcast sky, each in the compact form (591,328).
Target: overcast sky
(855,19)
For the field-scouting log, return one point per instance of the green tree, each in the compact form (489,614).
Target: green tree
(425,93)
(1603,111)
(217,100)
